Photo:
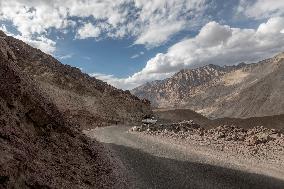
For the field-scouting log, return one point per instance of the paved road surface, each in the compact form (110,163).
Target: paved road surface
(153,164)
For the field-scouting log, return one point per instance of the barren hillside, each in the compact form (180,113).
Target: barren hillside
(83,99)
(39,147)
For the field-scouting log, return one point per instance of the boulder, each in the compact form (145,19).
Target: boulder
(220,135)
(253,140)
(134,129)
(264,137)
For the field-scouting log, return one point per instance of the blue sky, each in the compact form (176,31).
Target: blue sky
(109,56)
(130,42)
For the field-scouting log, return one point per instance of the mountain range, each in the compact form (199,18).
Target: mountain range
(45,105)
(239,91)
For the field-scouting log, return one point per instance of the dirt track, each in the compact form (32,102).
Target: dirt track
(152,163)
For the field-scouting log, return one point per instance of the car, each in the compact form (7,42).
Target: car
(149,120)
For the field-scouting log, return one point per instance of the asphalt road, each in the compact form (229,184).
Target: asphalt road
(153,164)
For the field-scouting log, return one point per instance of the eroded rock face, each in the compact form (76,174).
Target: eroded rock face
(39,147)
(171,91)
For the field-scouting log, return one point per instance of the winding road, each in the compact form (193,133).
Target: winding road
(155,164)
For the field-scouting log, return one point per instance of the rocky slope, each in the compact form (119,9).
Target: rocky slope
(257,141)
(246,90)
(83,99)
(165,116)
(39,147)
(169,92)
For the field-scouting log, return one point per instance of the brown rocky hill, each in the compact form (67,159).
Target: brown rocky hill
(39,147)
(86,100)
(246,90)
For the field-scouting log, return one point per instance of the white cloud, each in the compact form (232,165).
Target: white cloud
(4,29)
(130,82)
(150,22)
(46,45)
(159,20)
(137,55)
(221,44)
(215,43)
(31,16)
(213,34)
(88,30)
(272,26)
(67,56)
(102,76)
(262,8)
(157,33)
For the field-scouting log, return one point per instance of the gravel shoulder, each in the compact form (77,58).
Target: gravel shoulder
(215,154)
(159,162)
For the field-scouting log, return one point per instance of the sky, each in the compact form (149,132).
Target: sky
(129,42)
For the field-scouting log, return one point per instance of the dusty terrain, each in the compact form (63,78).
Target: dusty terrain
(85,100)
(244,144)
(176,115)
(40,147)
(242,91)
(260,142)
(157,162)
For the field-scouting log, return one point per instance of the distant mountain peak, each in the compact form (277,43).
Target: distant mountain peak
(241,90)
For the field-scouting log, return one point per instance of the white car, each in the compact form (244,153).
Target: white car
(149,120)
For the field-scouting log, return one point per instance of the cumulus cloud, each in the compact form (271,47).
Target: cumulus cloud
(213,34)
(272,26)
(88,30)
(215,43)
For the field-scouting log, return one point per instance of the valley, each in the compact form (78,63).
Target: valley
(212,127)
(139,94)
